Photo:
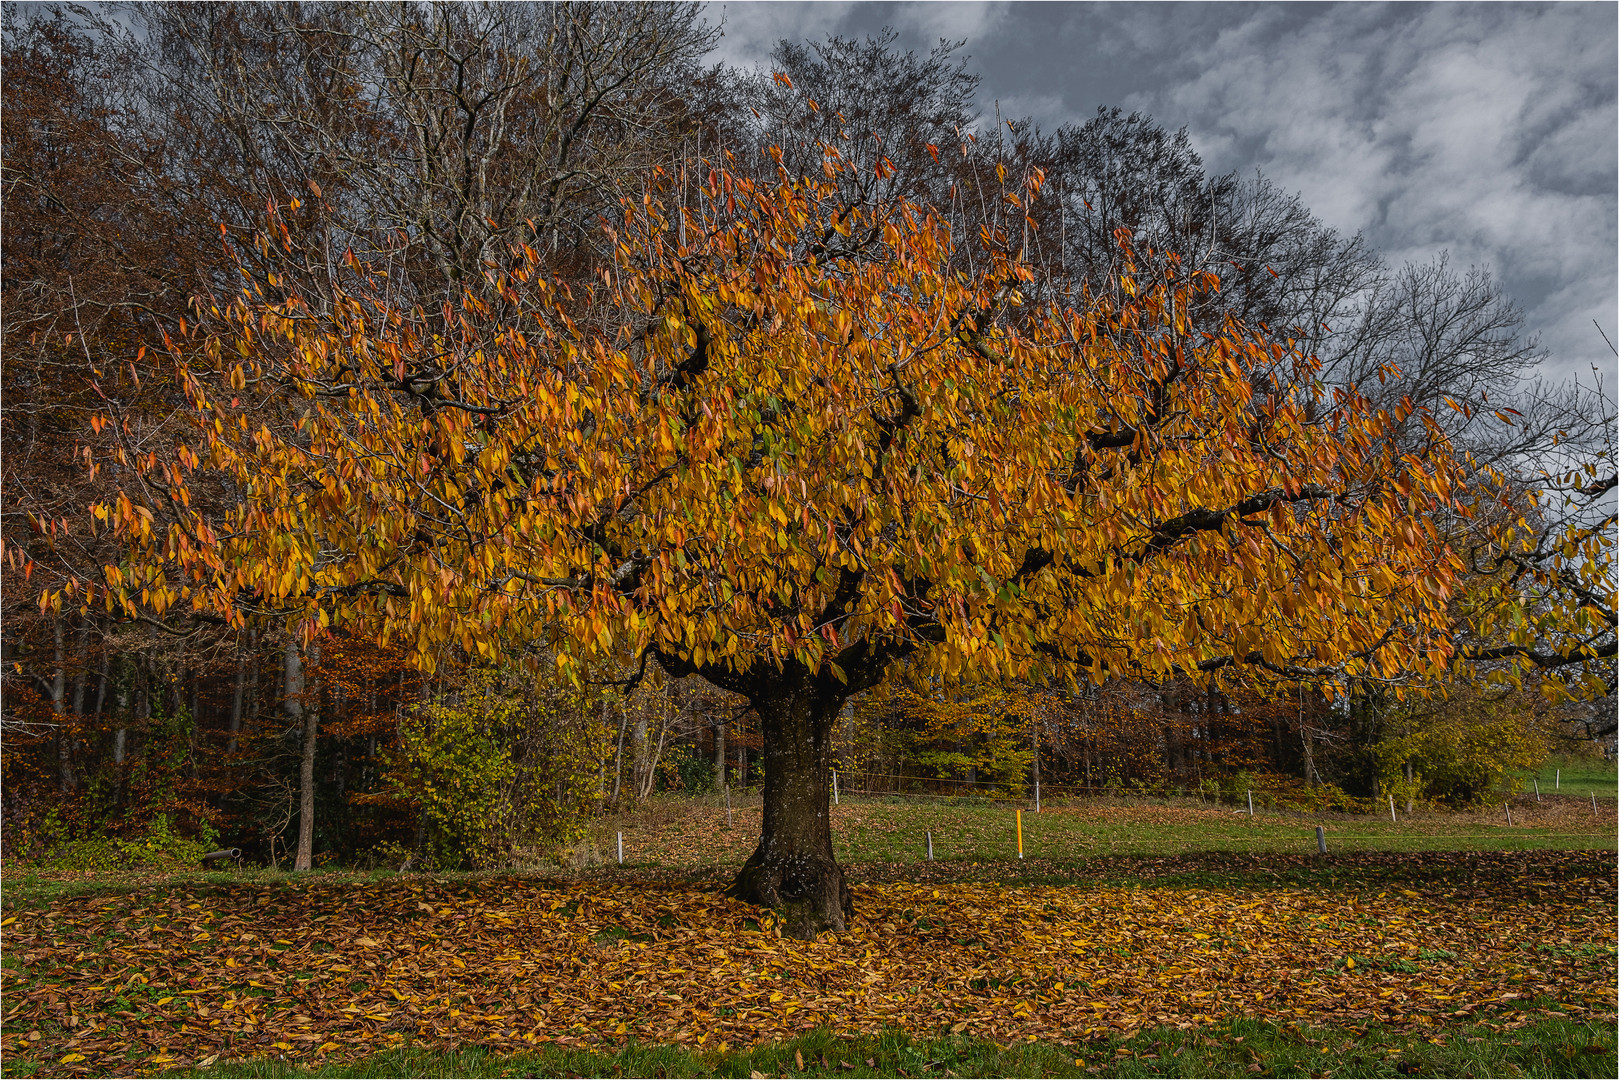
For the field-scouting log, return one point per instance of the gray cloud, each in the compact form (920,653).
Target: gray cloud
(1488,130)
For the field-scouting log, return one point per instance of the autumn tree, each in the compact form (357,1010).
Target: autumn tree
(786,447)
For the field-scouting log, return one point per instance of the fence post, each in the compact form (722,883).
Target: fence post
(1037,796)
(1557,783)
(1593,802)
(834,787)
(727,806)
(1020,834)
(1320,840)
(1250,802)
(1509,813)
(621,847)
(1537,789)
(930,841)
(1391,810)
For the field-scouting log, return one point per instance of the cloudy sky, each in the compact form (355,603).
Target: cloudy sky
(1487,130)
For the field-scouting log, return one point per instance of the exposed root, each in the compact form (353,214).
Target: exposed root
(808,892)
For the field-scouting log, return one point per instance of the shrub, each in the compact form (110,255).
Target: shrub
(683,769)
(498,762)
(451,765)
(160,847)
(1465,752)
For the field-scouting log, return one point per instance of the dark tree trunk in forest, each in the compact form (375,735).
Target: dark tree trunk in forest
(309,720)
(238,694)
(793,869)
(64,737)
(719,755)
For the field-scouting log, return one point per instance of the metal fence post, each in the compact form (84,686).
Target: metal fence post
(1320,840)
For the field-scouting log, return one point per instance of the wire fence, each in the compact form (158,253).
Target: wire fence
(1240,797)
(1337,832)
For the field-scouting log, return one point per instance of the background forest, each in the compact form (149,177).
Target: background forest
(160,153)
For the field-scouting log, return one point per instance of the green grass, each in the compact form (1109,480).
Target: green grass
(691,835)
(881,833)
(1583,775)
(1547,1046)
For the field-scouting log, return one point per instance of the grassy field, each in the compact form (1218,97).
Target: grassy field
(1131,940)
(1580,776)
(693,834)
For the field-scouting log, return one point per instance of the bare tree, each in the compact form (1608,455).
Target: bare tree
(439,136)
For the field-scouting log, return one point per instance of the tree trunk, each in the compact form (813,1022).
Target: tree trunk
(719,755)
(793,869)
(618,757)
(638,749)
(1036,726)
(64,731)
(238,694)
(650,781)
(309,719)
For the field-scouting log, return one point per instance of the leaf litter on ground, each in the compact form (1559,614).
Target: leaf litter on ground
(322,970)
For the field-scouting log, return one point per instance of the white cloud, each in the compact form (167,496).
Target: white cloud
(1488,131)
(752,29)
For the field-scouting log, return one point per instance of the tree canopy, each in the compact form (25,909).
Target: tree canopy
(794,438)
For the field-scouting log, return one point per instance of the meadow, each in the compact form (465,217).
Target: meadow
(1131,940)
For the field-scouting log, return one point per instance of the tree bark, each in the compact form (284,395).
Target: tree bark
(1036,725)
(309,720)
(719,754)
(618,757)
(238,693)
(793,869)
(64,736)
(650,781)
(638,749)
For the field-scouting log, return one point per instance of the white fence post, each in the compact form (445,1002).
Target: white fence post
(621,847)
(1250,802)
(1391,810)
(930,838)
